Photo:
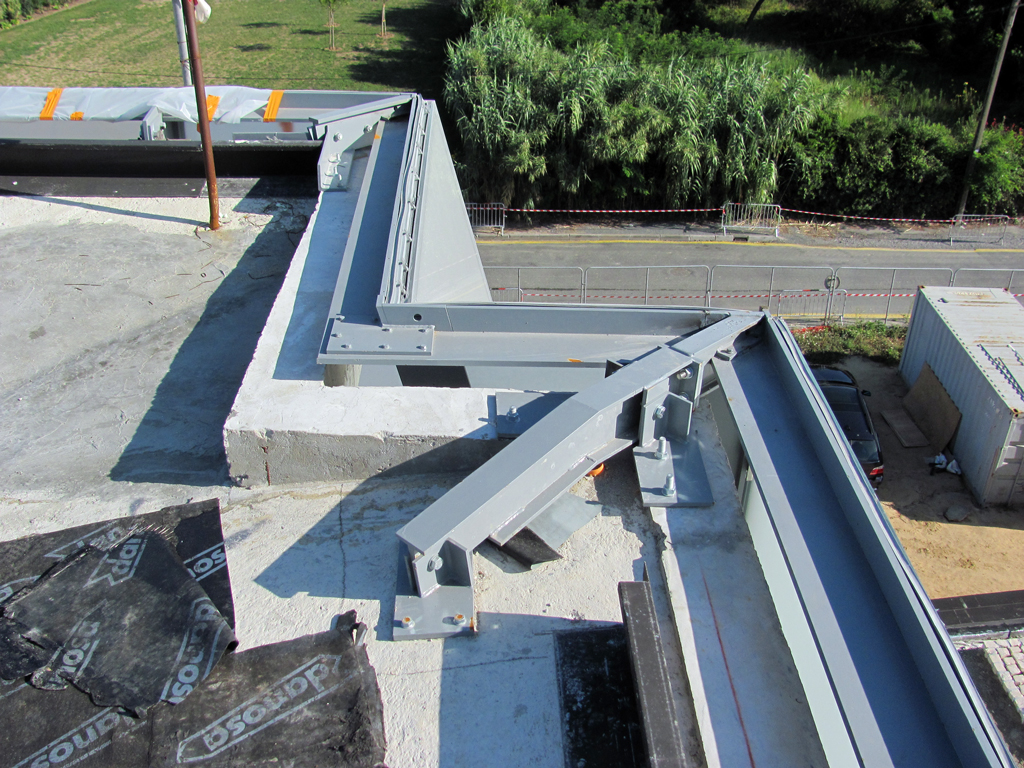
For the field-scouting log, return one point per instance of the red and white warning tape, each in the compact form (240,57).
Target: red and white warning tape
(865,218)
(720,209)
(599,210)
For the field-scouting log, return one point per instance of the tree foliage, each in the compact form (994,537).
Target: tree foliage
(13,11)
(540,124)
(619,103)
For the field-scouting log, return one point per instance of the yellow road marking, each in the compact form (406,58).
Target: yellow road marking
(750,245)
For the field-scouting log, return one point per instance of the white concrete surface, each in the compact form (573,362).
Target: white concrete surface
(124,351)
(117,409)
(750,705)
(287,426)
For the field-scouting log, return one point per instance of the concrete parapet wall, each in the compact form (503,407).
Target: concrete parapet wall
(286,426)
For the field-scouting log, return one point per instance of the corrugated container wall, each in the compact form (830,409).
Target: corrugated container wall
(973,339)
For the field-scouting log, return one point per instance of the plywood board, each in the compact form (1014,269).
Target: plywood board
(932,409)
(905,428)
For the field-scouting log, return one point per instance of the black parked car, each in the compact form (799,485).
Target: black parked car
(847,403)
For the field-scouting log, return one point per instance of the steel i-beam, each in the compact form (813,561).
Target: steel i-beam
(647,401)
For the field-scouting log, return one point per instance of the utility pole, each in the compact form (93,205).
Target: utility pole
(980,135)
(204,117)
(179,26)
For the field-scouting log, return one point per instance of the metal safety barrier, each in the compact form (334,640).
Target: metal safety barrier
(751,216)
(971,228)
(684,285)
(811,294)
(545,285)
(812,304)
(487,216)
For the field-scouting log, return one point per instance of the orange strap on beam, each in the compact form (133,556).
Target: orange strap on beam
(270,113)
(52,98)
(211,105)
(77,115)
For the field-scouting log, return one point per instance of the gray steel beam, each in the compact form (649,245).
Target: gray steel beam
(882,686)
(527,335)
(504,495)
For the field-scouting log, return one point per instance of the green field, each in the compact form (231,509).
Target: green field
(259,43)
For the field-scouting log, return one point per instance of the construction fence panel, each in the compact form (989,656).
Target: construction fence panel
(751,217)
(660,285)
(742,286)
(986,277)
(809,305)
(487,216)
(971,228)
(536,285)
(885,293)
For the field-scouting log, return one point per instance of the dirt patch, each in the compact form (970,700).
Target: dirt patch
(982,553)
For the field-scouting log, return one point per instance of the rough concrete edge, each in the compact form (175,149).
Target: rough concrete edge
(687,642)
(272,457)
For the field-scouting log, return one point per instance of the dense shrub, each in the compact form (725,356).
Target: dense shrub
(589,103)
(539,125)
(878,167)
(13,11)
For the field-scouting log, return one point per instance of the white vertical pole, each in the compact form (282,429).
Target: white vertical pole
(179,25)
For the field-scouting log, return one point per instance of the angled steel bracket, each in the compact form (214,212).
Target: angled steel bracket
(345,131)
(502,498)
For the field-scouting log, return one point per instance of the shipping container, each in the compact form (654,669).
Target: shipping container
(973,339)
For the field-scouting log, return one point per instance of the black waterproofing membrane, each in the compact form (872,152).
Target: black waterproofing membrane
(121,610)
(312,701)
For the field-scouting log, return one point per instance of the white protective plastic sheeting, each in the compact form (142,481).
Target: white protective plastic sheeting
(132,103)
(235,102)
(105,103)
(22,103)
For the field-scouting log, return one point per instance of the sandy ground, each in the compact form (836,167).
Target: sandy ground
(983,553)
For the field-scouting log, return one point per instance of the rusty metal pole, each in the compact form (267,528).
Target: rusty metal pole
(204,117)
(989,95)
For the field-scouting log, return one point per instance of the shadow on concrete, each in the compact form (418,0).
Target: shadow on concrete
(998,702)
(496,691)
(418,64)
(180,438)
(111,210)
(352,552)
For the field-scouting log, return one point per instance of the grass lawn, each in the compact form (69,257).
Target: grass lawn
(259,43)
(874,340)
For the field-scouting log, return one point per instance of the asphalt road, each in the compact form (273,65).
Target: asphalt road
(874,273)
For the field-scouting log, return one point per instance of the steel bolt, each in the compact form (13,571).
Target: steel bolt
(460,619)
(421,346)
(384,346)
(407,622)
(670,486)
(346,346)
(662,451)
(659,412)
(513,414)
(684,374)
(435,563)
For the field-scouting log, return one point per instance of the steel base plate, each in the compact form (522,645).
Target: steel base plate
(445,612)
(684,464)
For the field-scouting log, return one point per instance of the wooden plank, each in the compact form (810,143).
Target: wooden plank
(932,409)
(905,428)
